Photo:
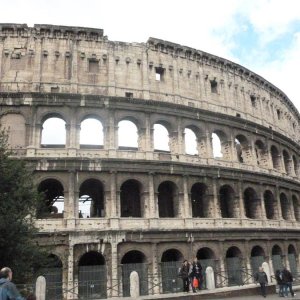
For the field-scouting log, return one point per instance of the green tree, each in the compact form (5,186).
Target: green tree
(18,201)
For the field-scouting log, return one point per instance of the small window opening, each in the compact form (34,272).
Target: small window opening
(129,95)
(238,115)
(253,101)
(214,86)
(278,114)
(54,89)
(159,73)
(93,66)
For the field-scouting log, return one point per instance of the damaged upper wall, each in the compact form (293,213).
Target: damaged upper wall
(76,60)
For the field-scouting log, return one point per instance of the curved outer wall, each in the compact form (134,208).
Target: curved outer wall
(75,73)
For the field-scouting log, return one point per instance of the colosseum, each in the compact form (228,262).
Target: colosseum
(149,153)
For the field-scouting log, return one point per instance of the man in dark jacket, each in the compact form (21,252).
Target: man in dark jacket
(196,273)
(8,290)
(278,277)
(184,274)
(261,278)
(287,279)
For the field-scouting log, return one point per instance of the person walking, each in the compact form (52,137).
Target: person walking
(261,278)
(287,279)
(8,290)
(196,275)
(184,274)
(278,277)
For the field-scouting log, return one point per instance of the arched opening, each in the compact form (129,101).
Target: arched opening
(161,138)
(53,275)
(242,148)
(14,124)
(217,144)
(292,257)
(234,266)
(170,263)
(228,203)
(200,201)
(251,204)
(277,258)
(190,142)
(91,133)
(257,258)
(53,133)
(275,158)
(130,198)
(167,200)
(92,282)
(52,205)
(285,207)
(127,135)
(91,199)
(296,208)
(207,258)
(261,154)
(270,205)
(287,162)
(295,165)
(134,260)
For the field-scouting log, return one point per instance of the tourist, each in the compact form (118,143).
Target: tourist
(287,279)
(261,278)
(8,289)
(184,274)
(278,277)
(196,274)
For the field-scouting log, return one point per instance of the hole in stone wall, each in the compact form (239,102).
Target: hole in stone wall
(91,133)
(93,66)
(127,135)
(214,86)
(54,133)
(159,73)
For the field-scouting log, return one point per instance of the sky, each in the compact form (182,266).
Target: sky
(262,35)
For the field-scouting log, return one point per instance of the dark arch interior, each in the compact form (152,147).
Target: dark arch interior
(233,252)
(199,201)
(291,250)
(53,192)
(94,189)
(53,261)
(130,199)
(172,255)
(284,206)
(276,250)
(257,251)
(91,258)
(269,204)
(133,257)
(286,159)
(205,253)
(251,204)
(227,202)
(275,158)
(166,193)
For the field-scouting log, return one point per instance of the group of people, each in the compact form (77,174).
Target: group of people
(191,275)
(284,280)
(8,290)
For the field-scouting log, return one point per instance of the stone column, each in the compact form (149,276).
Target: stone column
(71,284)
(145,77)
(155,271)
(70,205)
(68,135)
(113,195)
(209,147)
(279,211)
(241,200)
(115,292)
(262,203)
(74,69)
(152,204)
(217,213)
(187,210)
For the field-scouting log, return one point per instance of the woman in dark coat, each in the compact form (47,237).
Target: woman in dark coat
(184,274)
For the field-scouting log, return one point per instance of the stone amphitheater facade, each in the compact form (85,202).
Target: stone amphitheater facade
(150,208)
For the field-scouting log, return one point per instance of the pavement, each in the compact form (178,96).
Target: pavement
(256,297)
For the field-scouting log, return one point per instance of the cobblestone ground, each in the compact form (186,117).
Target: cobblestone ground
(256,297)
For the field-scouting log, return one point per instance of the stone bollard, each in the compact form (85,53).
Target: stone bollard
(266,268)
(210,278)
(134,285)
(40,288)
